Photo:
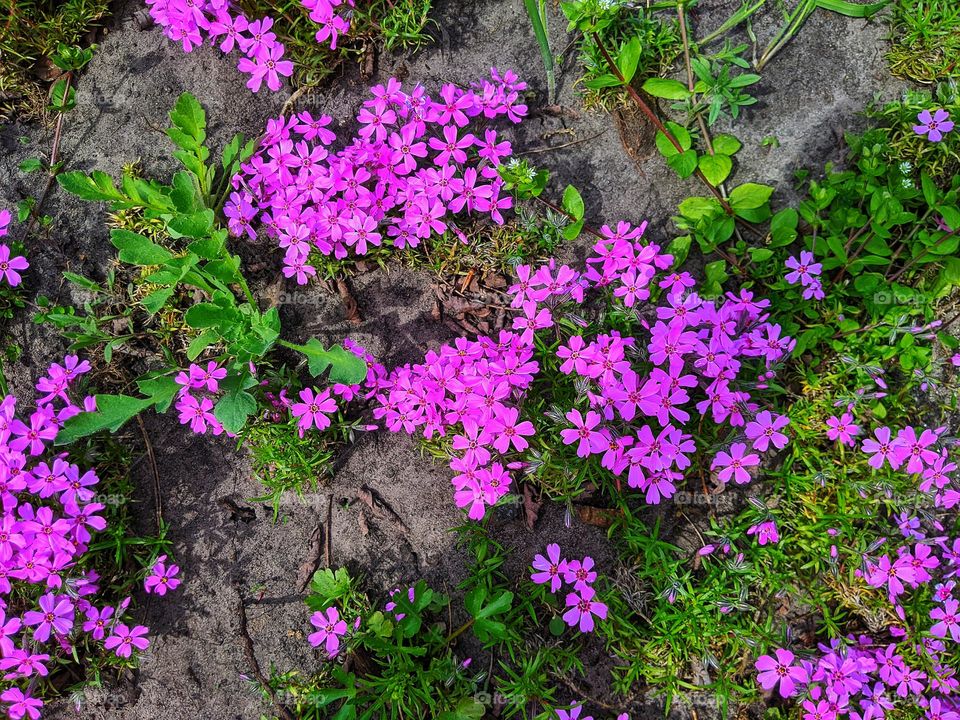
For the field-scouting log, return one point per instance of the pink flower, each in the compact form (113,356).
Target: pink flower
(765,429)
(10,265)
(779,670)
(330,628)
(580,574)
(313,410)
(842,429)
(934,126)
(589,440)
(948,620)
(97,622)
(734,464)
(21,705)
(572,714)
(55,615)
(880,449)
(550,567)
(507,431)
(581,609)
(267,65)
(124,640)
(162,578)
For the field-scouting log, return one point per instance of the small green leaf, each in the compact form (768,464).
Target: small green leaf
(573,202)
(685,163)
(680,134)
(138,250)
(629,58)
(726,144)
(666,88)
(345,367)
(233,409)
(750,196)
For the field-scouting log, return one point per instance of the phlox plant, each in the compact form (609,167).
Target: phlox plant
(597,382)
(11,264)
(192,23)
(416,168)
(55,608)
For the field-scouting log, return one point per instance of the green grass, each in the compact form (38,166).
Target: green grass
(926,40)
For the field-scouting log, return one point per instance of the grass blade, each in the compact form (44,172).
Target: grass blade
(537,11)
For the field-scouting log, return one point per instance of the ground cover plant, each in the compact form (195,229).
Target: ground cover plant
(752,403)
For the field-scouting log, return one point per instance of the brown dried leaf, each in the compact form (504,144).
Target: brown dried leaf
(600,517)
(531,507)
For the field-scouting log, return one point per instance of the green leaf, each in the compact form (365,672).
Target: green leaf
(744,80)
(604,81)
(196,225)
(345,367)
(759,255)
(951,216)
(200,343)
(716,275)
(680,134)
(716,168)
(31,165)
(190,120)
(573,202)
(629,58)
(851,9)
(572,231)
(233,409)
(930,191)
(783,227)
(157,299)
(726,144)
(112,413)
(81,281)
(138,250)
(685,164)
(666,88)
(97,186)
(679,248)
(208,315)
(750,196)
(696,207)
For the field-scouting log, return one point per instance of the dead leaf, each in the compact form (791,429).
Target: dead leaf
(531,507)
(600,517)
(312,562)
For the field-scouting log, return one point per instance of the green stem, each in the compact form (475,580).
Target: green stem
(459,631)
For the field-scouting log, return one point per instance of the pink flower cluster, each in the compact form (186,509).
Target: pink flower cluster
(50,515)
(413,167)
(860,678)
(10,265)
(693,346)
(579,574)
(917,452)
(192,22)
(195,402)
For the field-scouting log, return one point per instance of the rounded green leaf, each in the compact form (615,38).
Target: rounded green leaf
(666,89)
(716,168)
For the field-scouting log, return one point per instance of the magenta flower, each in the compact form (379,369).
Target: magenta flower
(162,577)
(934,126)
(766,532)
(764,430)
(55,615)
(572,714)
(589,440)
(733,465)
(948,620)
(550,567)
(581,609)
(804,270)
(124,640)
(330,628)
(197,413)
(98,622)
(21,705)
(266,66)
(779,670)
(313,410)
(842,429)
(580,574)
(507,431)
(880,449)
(9,266)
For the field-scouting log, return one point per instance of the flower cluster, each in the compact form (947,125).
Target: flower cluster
(933,125)
(194,400)
(50,516)
(579,574)
(10,265)
(414,165)
(192,22)
(635,411)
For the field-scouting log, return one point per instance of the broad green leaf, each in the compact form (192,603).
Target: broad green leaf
(112,413)
(189,118)
(96,186)
(233,409)
(138,250)
(716,168)
(749,196)
(157,299)
(679,248)
(629,58)
(680,134)
(685,163)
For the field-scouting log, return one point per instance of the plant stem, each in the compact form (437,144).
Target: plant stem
(922,255)
(652,117)
(54,152)
(459,631)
